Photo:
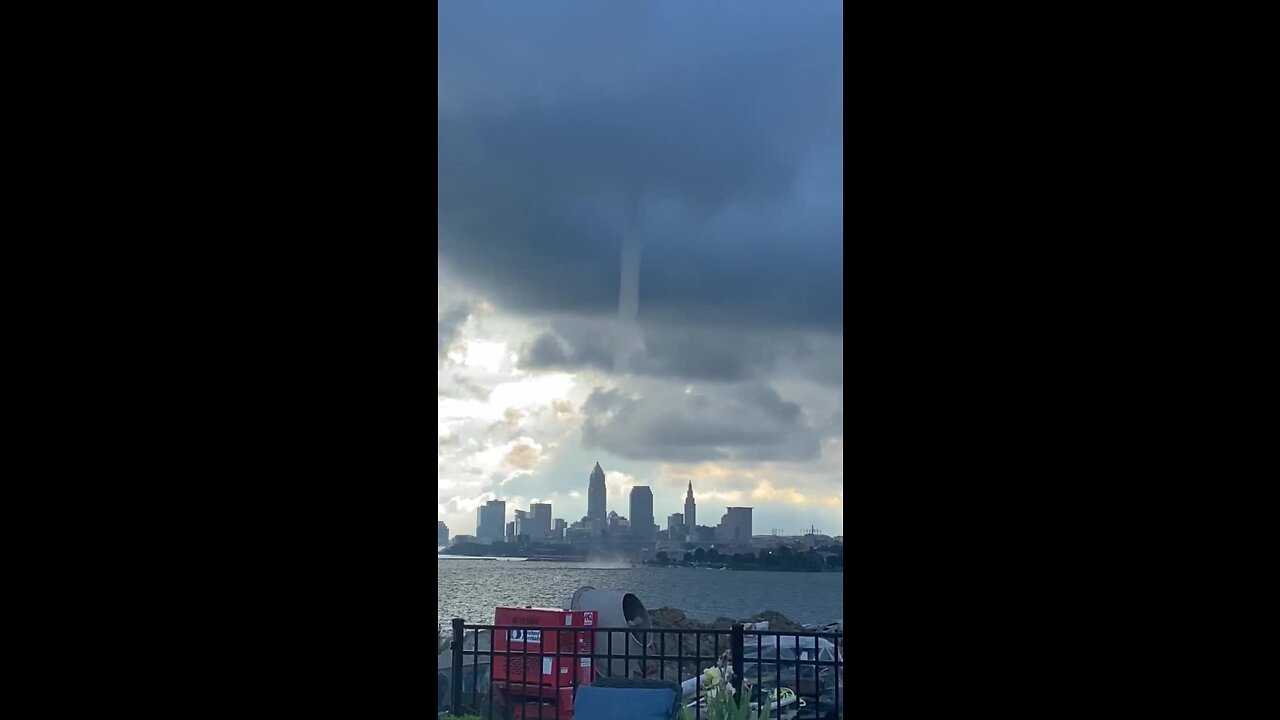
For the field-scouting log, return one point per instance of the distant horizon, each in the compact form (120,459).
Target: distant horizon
(659,519)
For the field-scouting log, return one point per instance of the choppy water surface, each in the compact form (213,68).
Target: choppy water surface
(471,589)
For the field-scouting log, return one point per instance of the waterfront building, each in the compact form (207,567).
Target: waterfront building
(442,533)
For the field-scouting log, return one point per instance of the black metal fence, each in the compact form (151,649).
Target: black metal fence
(799,674)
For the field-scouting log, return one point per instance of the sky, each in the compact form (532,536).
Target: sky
(640,242)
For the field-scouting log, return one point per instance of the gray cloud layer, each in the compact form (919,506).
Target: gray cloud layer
(724,119)
(747,421)
(691,353)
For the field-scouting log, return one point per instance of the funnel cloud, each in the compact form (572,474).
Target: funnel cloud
(629,338)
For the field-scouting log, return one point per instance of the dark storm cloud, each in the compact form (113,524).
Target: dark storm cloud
(689,353)
(746,421)
(552,351)
(723,119)
(667,352)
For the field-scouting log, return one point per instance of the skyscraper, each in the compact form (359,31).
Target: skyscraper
(596,496)
(541,520)
(442,533)
(642,512)
(735,526)
(690,510)
(491,521)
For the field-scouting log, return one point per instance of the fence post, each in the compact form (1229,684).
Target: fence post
(455,685)
(735,651)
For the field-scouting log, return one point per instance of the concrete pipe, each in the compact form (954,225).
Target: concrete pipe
(617,609)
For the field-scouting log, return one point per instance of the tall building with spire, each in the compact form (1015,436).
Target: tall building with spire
(690,510)
(596,496)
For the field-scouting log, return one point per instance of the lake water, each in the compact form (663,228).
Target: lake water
(472,588)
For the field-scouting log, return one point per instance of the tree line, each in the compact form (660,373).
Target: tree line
(826,557)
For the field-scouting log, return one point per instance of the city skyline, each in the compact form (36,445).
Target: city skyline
(734,526)
(670,495)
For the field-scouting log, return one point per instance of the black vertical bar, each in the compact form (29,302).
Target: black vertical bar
(609,666)
(680,663)
(715,643)
(735,656)
(456,691)
(492,657)
(475,672)
(662,656)
(798,670)
(817,677)
(839,668)
(511,676)
(759,680)
(644,655)
(697,669)
(816,666)
(626,653)
(498,688)
(777,671)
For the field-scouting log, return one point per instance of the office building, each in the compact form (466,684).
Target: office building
(490,521)
(675,526)
(642,527)
(735,526)
(540,521)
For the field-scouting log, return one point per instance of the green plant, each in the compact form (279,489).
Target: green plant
(723,701)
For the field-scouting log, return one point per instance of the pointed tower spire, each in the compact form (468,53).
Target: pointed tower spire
(596,493)
(690,509)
